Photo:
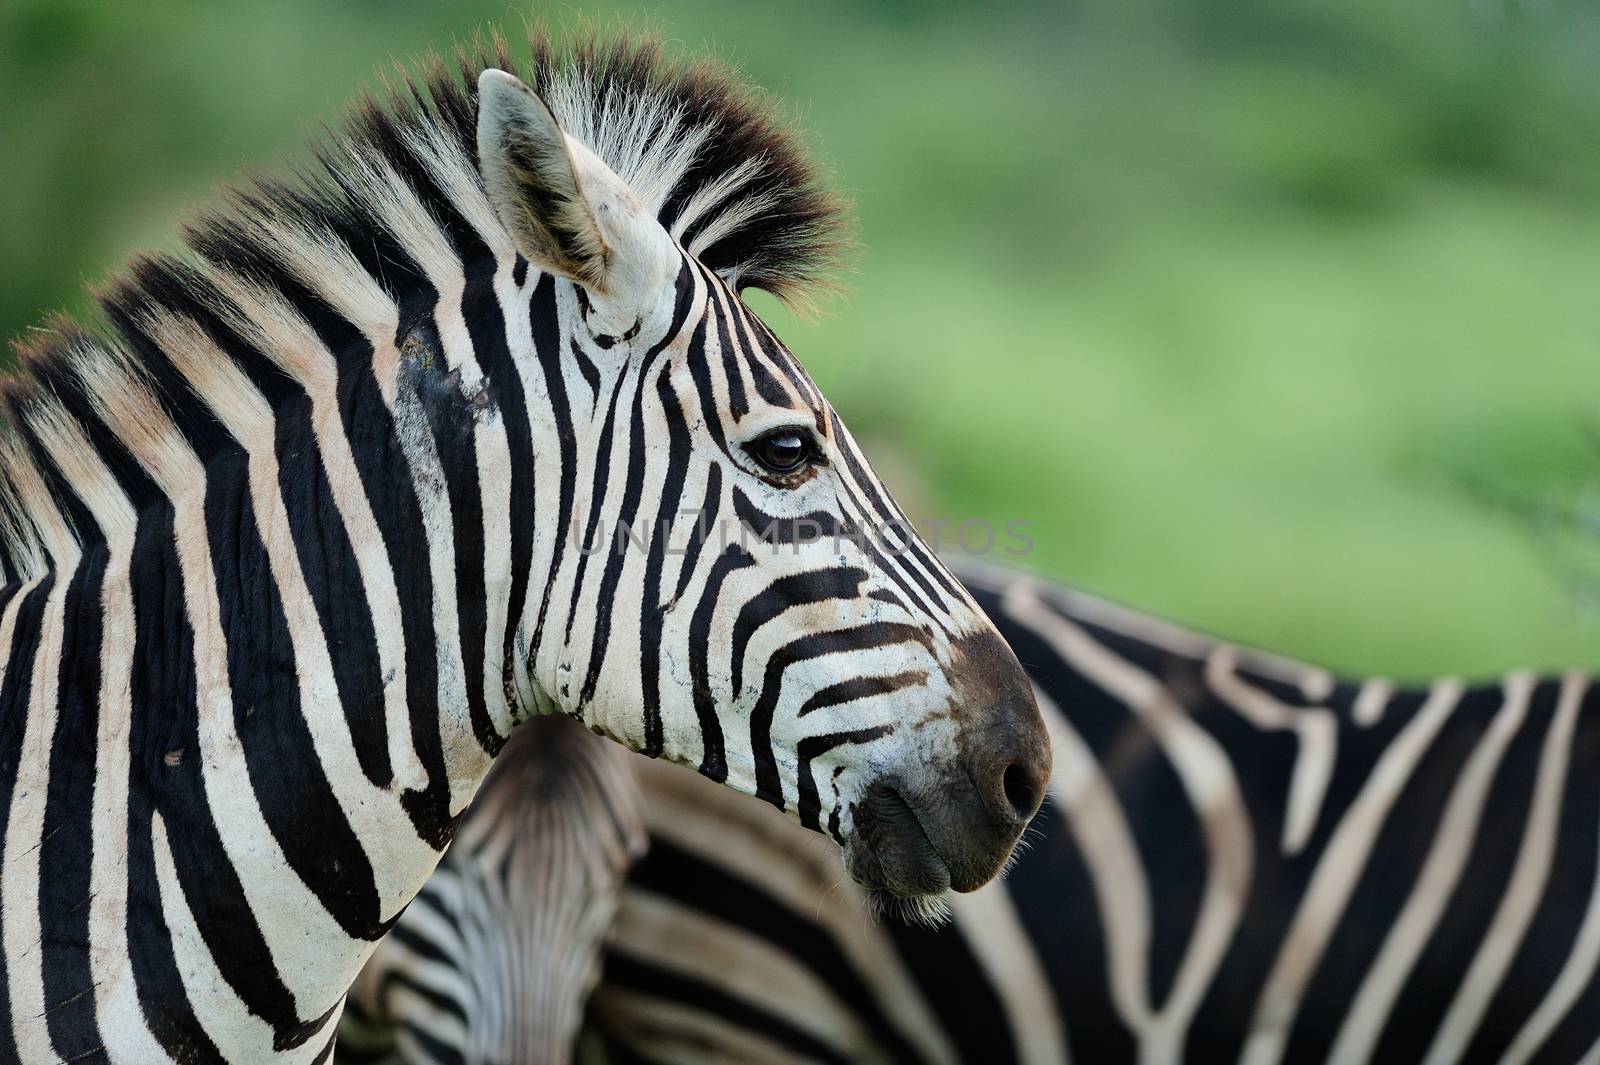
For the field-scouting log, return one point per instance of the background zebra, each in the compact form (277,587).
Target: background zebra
(557,820)
(1246,859)
(286,556)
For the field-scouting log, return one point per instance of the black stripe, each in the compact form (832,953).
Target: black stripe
(615,1051)
(726,897)
(66,845)
(193,420)
(780,357)
(703,523)
(438,1052)
(1053,869)
(766,385)
(325,1055)
(773,530)
(385,477)
(386,480)
(452,421)
(162,697)
(888,514)
(813,747)
(395,978)
(333,578)
(1392,868)
(892,568)
(1170,839)
(633,489)
(652,615)
(286,773)
(487,325)
(597,500)
(1056,903)
(321,540)
(14,695)
(816,645)
(586,367)
(1552,934)
(419,944)
(714,761)
(700,371)
(791,590)
(1420,1007)
(294,795)
(717,310)
(631,974)
(955,985)
(848,691)
(547,348)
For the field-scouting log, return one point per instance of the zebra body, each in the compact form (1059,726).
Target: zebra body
(285,542)
(1244,859)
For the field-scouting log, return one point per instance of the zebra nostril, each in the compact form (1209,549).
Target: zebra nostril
(1022,790)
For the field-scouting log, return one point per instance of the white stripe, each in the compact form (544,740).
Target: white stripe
(743,966)
(329,270)
(987,919)
(1139,625)
(1317,685)
(1371,701)
(291,343)
(1527,887)
(676,1035)
(19,916)
(414,228)
(20,931)
(375,813)
(1093,814)
(238,1034)
(1316,733)
(278,899)
(117,1008)
(1208,779)
(1336,877)
(1436,882)
(741,836)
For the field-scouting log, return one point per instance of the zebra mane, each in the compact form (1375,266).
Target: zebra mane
(280,265)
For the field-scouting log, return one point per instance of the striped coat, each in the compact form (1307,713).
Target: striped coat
(1243,859)
(462,424)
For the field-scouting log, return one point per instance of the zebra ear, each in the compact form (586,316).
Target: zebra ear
(566,210)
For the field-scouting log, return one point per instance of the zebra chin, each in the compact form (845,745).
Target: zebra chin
(950,820)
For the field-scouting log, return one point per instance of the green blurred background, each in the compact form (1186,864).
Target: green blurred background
(1281,318)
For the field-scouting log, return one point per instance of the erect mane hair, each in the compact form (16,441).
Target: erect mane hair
(702,149)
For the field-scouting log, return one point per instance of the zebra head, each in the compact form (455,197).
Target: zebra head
(726,584)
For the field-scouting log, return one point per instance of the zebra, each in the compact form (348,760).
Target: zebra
(1244,859)
(558,820)
(284,543)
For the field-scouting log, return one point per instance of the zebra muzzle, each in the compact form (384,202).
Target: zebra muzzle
(894,852)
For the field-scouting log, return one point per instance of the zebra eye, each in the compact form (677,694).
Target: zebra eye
(783,450)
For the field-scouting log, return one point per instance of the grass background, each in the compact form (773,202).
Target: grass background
(1279,317)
